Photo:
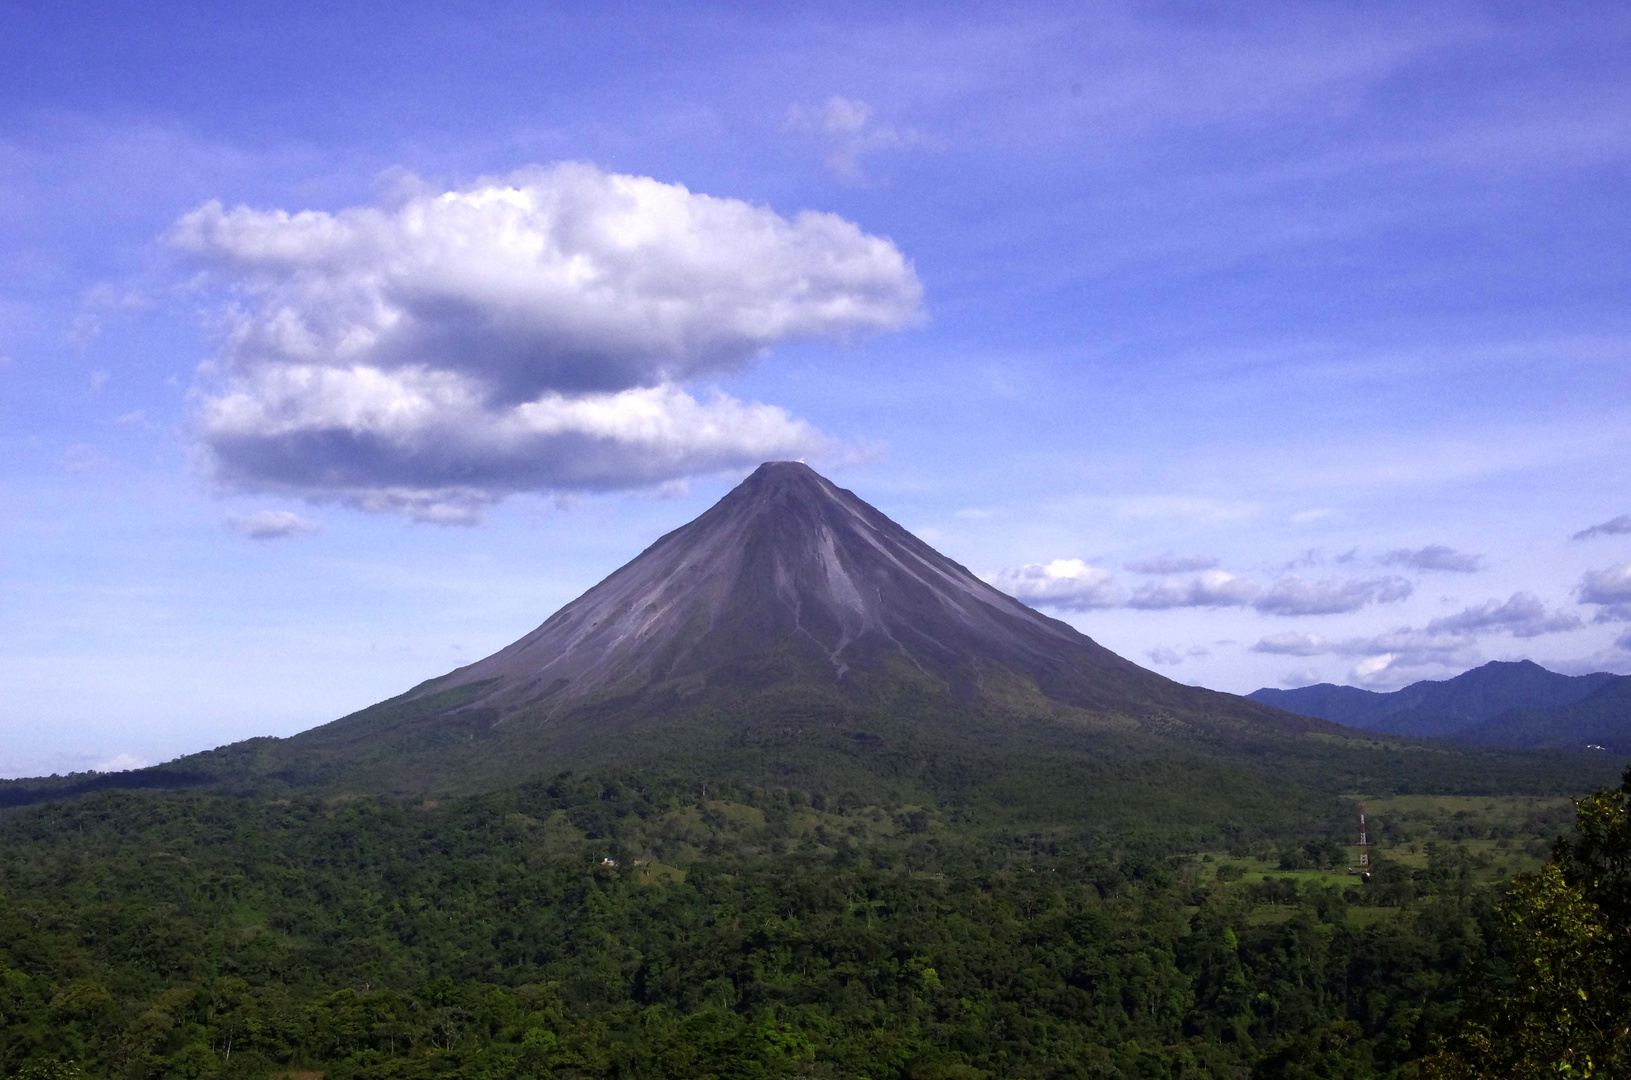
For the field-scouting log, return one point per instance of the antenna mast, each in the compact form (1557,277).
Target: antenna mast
(1364,846)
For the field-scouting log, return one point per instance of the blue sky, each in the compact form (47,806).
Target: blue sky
(1266,344)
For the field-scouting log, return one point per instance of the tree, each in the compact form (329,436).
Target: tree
(1562,1005)
(49,1070)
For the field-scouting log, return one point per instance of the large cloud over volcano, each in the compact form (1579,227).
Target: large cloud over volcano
(530,332)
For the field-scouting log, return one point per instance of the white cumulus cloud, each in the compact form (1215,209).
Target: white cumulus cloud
(1173,564)
(1379,670)
(427,445)
(1067,584)
(529,332)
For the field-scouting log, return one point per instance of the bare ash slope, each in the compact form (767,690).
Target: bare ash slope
(790,565)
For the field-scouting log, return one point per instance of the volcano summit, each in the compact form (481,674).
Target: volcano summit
(789,573)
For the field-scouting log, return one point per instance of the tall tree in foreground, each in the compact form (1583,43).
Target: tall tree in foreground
(1561,1006)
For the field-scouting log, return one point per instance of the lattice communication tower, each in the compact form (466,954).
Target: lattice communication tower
(1364,846)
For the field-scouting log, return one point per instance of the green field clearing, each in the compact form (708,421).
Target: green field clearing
(1480,840)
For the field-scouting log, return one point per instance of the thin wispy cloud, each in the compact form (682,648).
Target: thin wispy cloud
(851,131)
(1434,557)
(1168,656)
(102,302)
(1291,643)
(534,332)
(1618,526)
(270,525)
(1173,564)
(119,763)
(81,459)
(1407,647)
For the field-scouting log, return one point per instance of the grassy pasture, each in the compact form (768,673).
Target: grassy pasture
(1419,843)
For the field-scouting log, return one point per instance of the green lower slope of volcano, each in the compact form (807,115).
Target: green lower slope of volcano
(1008,753)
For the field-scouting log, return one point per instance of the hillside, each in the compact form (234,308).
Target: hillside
(1602,719)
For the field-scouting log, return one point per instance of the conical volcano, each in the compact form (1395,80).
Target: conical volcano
(791,572)
(790,616)
(793,636)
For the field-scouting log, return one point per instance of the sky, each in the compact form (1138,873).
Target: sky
(1266,344)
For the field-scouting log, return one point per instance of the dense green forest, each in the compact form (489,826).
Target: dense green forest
(627,926)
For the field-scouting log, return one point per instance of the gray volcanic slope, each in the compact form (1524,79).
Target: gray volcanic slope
(790,565)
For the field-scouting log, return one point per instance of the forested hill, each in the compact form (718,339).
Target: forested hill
(1601,719)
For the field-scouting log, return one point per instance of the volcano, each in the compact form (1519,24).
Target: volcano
(789,623)
(791,576)
(794,636)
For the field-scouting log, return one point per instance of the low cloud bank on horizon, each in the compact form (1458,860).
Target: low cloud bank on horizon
(1452,641)
(535,332)
(1075,585)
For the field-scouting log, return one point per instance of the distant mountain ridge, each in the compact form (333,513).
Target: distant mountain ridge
(1512,704)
